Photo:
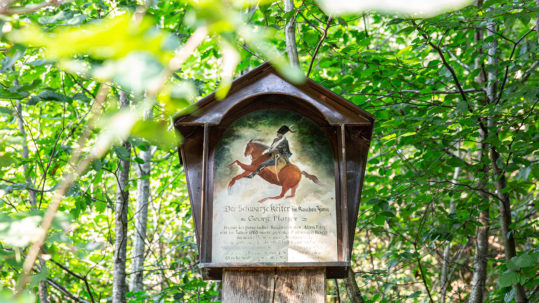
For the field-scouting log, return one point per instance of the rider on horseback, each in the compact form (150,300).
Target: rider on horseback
(279,149)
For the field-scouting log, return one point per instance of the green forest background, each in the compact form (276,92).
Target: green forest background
(93,200)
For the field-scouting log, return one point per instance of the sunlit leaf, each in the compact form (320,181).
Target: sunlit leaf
(157,133)
(177,97)
(230,61)
(424,8)
(112,38)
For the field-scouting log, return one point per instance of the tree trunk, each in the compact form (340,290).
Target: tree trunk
(498,175)
(354,294)
(508,234)
(141,216)
(445,279)
(481,241)
(537,21)
(25,154)
(290,34)
(32,195)
(122,204)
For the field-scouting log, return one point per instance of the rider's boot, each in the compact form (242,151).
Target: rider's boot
(255,172)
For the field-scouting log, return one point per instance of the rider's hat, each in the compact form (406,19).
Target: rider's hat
(284,129)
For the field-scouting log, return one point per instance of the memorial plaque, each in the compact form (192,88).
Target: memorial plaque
(274,173)
(274,191)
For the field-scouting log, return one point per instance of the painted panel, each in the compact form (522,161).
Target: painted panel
(274,191)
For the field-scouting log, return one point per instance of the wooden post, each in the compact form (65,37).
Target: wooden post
(274,285)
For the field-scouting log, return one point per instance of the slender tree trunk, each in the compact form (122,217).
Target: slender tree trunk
(42,287)
(25,154)
(481,241)
(32,195)
(537,21)
(141,216)
(290,34)
(508,234)
(354,294)
(498,175)
(120,238)
(445,279)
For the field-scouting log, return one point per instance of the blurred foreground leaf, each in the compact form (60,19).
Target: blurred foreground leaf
(112,38)
(418,8)
(157,133)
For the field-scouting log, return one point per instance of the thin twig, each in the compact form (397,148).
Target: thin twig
(423,278)
(451,71)
(76,276)
(467,67)
(28,188)
(64,291)
(465,185)
(324,35)
(507,67)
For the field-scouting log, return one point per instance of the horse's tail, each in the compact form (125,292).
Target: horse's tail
(311,177)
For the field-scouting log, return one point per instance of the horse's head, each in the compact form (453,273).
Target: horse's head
(248,148)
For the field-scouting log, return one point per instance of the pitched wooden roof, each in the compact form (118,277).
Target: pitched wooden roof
(264,80)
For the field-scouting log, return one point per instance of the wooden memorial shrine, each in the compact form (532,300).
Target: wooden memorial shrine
(274,173)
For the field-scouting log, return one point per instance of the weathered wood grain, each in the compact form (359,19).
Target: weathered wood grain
(274,285)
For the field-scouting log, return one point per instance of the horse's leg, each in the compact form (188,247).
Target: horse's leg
(235,162)
(293,192)
(283,191)
(244,166)
(236,178)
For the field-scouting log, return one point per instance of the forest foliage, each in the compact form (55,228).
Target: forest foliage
(449,204)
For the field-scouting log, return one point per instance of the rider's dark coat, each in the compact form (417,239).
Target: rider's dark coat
(279,149)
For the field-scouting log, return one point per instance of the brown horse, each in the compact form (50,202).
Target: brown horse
(287,177)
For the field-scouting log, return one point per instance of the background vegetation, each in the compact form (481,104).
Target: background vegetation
(88,90)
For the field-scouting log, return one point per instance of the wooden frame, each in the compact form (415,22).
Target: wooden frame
(348,128)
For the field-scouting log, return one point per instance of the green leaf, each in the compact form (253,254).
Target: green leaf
(31,86)
(122,152)
(136,72)
(6,110)
(97,165)
(511,265)
(81,97)
(14,53)
(33,100)
(61,16)
(4,94)
(100,206)
(6,160)
(524,260)
(396,21)
(455,162)
(156,133)
(49,95)
(379,220)
(415,294)
(462,107)
(508,279)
